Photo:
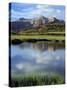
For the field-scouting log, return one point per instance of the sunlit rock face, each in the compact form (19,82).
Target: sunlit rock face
(38,21)
(52,19)
(24,23)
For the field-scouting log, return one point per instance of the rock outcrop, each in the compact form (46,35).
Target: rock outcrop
(23,24)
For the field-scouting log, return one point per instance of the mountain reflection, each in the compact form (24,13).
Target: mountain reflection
(43,46)
(37,57)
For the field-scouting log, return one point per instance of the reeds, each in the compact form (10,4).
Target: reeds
(36,80)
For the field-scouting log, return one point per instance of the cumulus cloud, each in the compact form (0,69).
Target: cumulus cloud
(31,59)
(17,14)
(27,67)
(45,10)
(47,58)
(40,59)
(37,9)
(58,11)
(19,66)
(43,59)
(41,9)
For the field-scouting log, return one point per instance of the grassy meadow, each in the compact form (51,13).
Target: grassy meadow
(49,37)
(47,31)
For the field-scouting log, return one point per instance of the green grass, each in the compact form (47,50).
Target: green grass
(61,33)
(49,37)
(44,32)
(34,32)
(57,32)
(36,80)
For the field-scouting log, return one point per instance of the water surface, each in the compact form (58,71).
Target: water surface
(39,57)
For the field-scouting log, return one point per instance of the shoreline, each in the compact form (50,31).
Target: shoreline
(18,39)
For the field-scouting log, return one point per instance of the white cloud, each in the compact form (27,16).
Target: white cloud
(45,58)
(27,67)
(37,10)
(40,61)
(15,13)
(19,66)
(57,57)
(58,11)
(44,10)
(40,9)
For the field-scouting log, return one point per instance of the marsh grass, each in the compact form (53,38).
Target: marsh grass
(49,37)
(36,80)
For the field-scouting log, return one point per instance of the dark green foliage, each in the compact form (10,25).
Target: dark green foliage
(16,41)
(44,29)
(47,28)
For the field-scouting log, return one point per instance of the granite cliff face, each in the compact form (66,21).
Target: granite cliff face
(53,19)
(23,24)
(39,21)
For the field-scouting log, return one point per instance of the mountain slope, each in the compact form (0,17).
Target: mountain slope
(24,24)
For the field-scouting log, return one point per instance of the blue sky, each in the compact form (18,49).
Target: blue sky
(19,10)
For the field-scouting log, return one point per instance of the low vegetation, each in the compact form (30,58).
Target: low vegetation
(49,37)
(45,29)
(45,32)
(36,80)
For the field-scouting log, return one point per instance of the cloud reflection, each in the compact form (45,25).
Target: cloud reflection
(30,60)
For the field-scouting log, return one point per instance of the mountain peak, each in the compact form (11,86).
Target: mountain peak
(22,19)
(40,17)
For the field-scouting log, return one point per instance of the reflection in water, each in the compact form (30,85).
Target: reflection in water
(37,57)
(43,45)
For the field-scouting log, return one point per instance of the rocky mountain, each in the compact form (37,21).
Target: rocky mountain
(20,24)
(39,21)
(23,24)
(53,19)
